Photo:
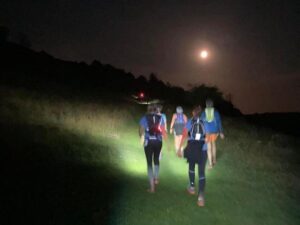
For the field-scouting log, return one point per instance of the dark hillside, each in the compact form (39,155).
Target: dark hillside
(287,123)
(23,67)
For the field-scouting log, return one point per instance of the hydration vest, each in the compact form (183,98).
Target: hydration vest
(197,131)
(179,123)
(209,114)
(154,122)
(179,118)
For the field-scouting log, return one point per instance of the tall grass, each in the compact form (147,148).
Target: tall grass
(95,119)
(256,180)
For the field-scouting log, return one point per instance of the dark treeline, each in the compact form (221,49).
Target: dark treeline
(287,123)
(23,67)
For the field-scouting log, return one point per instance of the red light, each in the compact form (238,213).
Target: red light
(142,95)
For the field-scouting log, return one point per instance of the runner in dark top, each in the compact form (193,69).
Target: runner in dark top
(195,153)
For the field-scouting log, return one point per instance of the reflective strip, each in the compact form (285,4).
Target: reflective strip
(202,178)
(152,138)
(191,171)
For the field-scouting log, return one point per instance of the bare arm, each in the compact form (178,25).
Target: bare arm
(185,119)
(141,134)
(172,123)
(166,125)
(218,118)
(164,132)
(141,131)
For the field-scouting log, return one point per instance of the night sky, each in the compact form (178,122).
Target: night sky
(253,45)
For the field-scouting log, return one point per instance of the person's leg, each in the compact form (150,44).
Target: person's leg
(156,153)
(209,154)
(201,174)
(214,152)
(149,156)
(191,188)
(177,141)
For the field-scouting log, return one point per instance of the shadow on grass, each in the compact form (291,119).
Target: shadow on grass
(47,177)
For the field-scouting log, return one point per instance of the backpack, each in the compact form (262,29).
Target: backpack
(197,131)
(179,124)
(209,114)
(154,122)
(179,118)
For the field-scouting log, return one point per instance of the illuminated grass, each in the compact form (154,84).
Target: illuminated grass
(100,170)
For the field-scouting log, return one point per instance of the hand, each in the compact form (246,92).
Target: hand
(179,153)
(171,130)
(222,136)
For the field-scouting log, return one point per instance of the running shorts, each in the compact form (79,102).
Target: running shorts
(211,137)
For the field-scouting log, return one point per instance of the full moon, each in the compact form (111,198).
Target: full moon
(203,54)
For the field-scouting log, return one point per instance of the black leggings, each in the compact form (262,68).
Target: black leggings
(201,172)
(152,151)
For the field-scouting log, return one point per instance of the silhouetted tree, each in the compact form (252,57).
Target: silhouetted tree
(24,40)
(97,64)
(40,71)
(4,33)
(228,97)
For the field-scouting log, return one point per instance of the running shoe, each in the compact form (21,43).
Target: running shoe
(152,187)
(191,190)
(200,201)
(151,190)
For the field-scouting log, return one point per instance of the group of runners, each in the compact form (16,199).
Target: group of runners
(200,131)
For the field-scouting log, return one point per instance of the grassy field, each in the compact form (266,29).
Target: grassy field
(78,162)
